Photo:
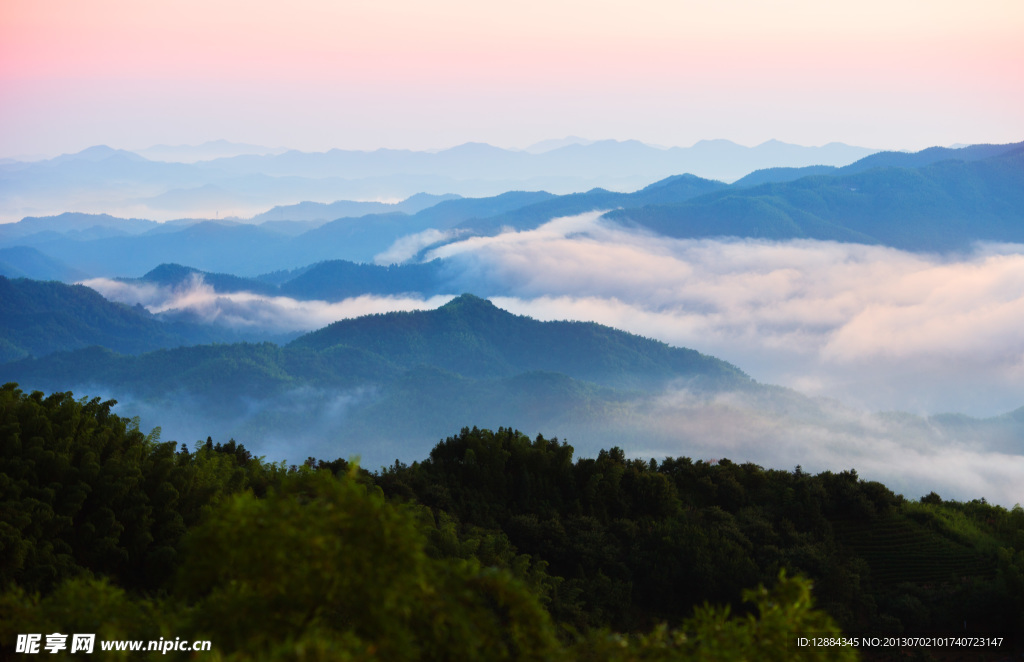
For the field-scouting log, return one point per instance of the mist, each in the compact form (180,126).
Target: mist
(778,428)
(198,301)
(873,341)
(872,326)
(773,427)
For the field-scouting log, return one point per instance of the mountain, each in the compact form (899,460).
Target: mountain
(716,159)
(41,318)
(249,250)
(396,381)
(555,143)
(74,225)
(675,189)
(27,262)
(947,205)
(38,318)
(216,246)
(176,275)
(101,179)
(468,337)
(886,159)
(212,149)
(334,280)
(472,337)
(960,196)
(320,211)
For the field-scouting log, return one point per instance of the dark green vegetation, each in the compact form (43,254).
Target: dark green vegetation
(472,337)
(496,546)
(411,375)
(39,318)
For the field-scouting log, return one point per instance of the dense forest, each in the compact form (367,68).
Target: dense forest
(496,546)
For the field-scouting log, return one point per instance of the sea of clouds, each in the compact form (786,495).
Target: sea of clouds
(863,330)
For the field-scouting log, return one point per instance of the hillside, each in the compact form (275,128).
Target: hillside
(395,381)
(39,318)
(472,337)
(486,523)
(468,337)
(945,205)
(934,200)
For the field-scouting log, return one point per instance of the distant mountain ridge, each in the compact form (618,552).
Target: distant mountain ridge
(945,205)
(102,179)
(320,211)
(885,159)
(395,378)
(468,336)
(41,318)
(472,337)
(331,280)
(957,197)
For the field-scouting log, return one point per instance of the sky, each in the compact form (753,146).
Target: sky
(320,74)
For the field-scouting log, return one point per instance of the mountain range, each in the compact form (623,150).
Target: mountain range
(935,200)
(388,386)
(105,180)
(398,379)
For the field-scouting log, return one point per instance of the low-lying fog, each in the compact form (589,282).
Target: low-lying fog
(873,328)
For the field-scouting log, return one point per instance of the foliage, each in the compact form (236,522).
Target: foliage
(83,491)
(497,546)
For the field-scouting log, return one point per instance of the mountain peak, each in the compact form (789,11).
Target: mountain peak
(468,301)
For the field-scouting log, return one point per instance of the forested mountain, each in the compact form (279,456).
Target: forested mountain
(101,179)
(398,379)
(27,262)
(935,200)
(472,337)
(40,318)
(675,189)
(335,280)
(332,280)
(176,275)
(493,546)
(943,206)
(75,226)
(886,159)
(468,337)
(322,212)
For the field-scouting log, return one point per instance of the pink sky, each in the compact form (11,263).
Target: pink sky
(317,74)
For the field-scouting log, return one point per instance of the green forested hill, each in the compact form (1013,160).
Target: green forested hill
(470,336)
(38,318)
(330,280)
(495,546)
(172,275)
(946,205)
(399,380)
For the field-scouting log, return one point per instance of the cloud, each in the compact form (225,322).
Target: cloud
(780,428)
(407,247)
(875,328)
(882,327)
(249,310)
